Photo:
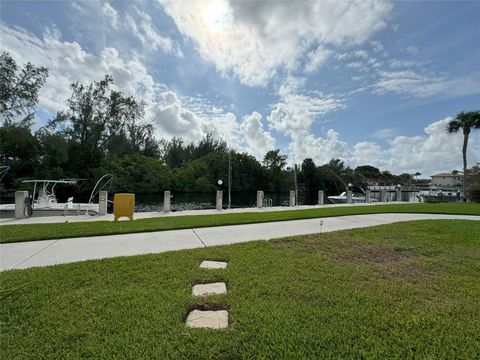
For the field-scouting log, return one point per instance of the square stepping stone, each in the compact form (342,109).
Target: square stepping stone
(209,289)
(207,319)
(207,264)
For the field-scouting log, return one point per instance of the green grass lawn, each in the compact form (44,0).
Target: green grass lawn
(30,232)
(404,290)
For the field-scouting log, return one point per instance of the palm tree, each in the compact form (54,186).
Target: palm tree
(466,121)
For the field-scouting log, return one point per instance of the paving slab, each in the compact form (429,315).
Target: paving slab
(208,264)
(51,252)
(207,319)
(232,234)
(215,288)
(14,254)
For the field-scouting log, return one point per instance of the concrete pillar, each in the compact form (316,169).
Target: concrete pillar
(20,197)
(368,196)
(260,197)
(102,202)
(292,198)
(383,195)
(349,196)
(321,197)
(166,201)
(399,195)
(219,200)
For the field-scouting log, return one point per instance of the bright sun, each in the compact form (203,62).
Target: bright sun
(216,15)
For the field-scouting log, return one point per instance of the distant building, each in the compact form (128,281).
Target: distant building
(448,180)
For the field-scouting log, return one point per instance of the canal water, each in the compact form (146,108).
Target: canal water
(196,201)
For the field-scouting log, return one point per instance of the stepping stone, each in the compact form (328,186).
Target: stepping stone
(207,319)
(209,289)
(213,264)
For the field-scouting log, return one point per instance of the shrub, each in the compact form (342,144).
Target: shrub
(474,193)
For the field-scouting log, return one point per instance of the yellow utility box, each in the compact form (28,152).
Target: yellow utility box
(123,205)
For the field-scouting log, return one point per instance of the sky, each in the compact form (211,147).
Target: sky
(369,82)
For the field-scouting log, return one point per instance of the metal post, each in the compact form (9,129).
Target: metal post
(259,199)
(383,195)
(349,196)
(399,195)
(166,201)
(20,198)
(368,196)
(219,200)
(292,197)
(102,202)
(229,178)
(321,197)
(296,183)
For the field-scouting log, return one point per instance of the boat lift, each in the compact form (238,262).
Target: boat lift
(46,197)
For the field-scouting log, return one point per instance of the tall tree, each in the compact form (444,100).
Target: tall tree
(274,163)
(368,171)
(466,122)
(308,174)
(174,153)
(19,89)
(273,160)
(208,145)
(96,113)
(19,150)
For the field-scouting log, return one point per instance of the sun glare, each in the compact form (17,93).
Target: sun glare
(216,15)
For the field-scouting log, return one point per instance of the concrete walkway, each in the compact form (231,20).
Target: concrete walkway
(50,252)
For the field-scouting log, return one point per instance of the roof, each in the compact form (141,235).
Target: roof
(446,174)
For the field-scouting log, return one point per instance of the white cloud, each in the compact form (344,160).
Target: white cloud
(297,112)
(385,133)
(321,150)
(432,152)
(412,49)
(317,58)
(256,40)
(410,83)
(361,54)
(68,62)
(368,153)
(355,65)
(172,119)
(111,14)
(399,63)
(377,46)
(141,25)
(258,140)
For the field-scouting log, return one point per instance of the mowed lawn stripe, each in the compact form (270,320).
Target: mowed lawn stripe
(31,232)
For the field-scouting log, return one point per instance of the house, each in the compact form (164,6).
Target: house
(448,180)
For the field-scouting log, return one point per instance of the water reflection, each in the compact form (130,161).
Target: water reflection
(196,201)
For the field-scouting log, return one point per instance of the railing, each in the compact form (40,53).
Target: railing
(267,203)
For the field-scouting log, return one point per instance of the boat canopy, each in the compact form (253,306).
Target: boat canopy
(74,181)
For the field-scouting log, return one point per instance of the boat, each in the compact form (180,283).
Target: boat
(44,203)
(342,198)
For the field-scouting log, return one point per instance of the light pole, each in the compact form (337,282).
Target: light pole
(229,178)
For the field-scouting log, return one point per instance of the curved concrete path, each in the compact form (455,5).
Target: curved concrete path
(50,252)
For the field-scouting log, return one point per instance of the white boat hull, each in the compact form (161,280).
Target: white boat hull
(57,209)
